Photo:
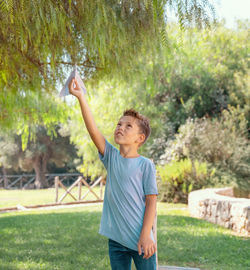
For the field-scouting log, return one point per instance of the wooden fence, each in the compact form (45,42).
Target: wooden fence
(15,181)
(79,183)
(26,181)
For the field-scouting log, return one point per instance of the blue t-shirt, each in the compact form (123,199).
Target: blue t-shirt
(128,181)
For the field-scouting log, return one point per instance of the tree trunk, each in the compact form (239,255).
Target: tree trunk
(5,178)
(41,181)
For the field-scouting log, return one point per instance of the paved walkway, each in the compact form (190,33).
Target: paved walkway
(20,207)
(176,268)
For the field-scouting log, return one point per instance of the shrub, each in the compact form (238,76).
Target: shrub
(222,143)
(181,177)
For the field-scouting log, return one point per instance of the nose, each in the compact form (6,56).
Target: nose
(119,128)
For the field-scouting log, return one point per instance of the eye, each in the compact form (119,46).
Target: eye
(118,124)
(129,126)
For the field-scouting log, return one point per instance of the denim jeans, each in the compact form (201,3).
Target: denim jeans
(121,258)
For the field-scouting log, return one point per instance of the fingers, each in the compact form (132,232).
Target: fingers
(139,248)
(145,253)
(148,252)
(76,83)
(71,88)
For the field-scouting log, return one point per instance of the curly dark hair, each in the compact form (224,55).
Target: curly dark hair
(143,122)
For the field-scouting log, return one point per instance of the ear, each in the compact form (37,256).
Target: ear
(141,138)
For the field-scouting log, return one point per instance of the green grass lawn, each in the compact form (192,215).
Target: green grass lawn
(68,239)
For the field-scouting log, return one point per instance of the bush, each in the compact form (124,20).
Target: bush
(222,143)
(181,177)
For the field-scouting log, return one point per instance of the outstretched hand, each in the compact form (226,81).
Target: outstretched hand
(148,246)
(75,91)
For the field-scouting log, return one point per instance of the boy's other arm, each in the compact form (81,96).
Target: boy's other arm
(88,118)
(145,240)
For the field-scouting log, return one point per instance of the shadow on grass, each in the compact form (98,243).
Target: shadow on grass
(71,241)
(53,241)
(187,241)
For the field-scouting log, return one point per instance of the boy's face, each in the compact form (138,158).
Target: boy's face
(127,131)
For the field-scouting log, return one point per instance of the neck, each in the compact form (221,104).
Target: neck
(128,151)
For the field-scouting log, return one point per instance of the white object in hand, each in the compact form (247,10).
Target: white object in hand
(74,74)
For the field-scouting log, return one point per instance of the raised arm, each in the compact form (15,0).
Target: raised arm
(88,118)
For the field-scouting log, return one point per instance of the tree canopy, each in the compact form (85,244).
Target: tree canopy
(41,40)
(191,78)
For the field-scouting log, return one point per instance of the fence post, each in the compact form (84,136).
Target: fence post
(21,183)
(56,187)
(79,190)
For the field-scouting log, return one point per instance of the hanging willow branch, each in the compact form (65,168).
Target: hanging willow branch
(84,64)
(39,39)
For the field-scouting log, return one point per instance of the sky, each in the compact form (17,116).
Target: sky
(231,9)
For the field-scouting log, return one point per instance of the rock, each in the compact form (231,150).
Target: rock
(226,211)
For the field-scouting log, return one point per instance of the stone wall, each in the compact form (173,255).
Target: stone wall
(232,213)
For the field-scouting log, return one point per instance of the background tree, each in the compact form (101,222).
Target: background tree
(202,73)
(38,155)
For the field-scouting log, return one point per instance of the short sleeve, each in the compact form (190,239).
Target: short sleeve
(149,179)
(109,148)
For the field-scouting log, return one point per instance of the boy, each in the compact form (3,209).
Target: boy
(129,206)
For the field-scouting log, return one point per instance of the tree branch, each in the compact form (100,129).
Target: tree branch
(70,63)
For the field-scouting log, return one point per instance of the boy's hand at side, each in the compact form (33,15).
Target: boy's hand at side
(148,245)
(145,241)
